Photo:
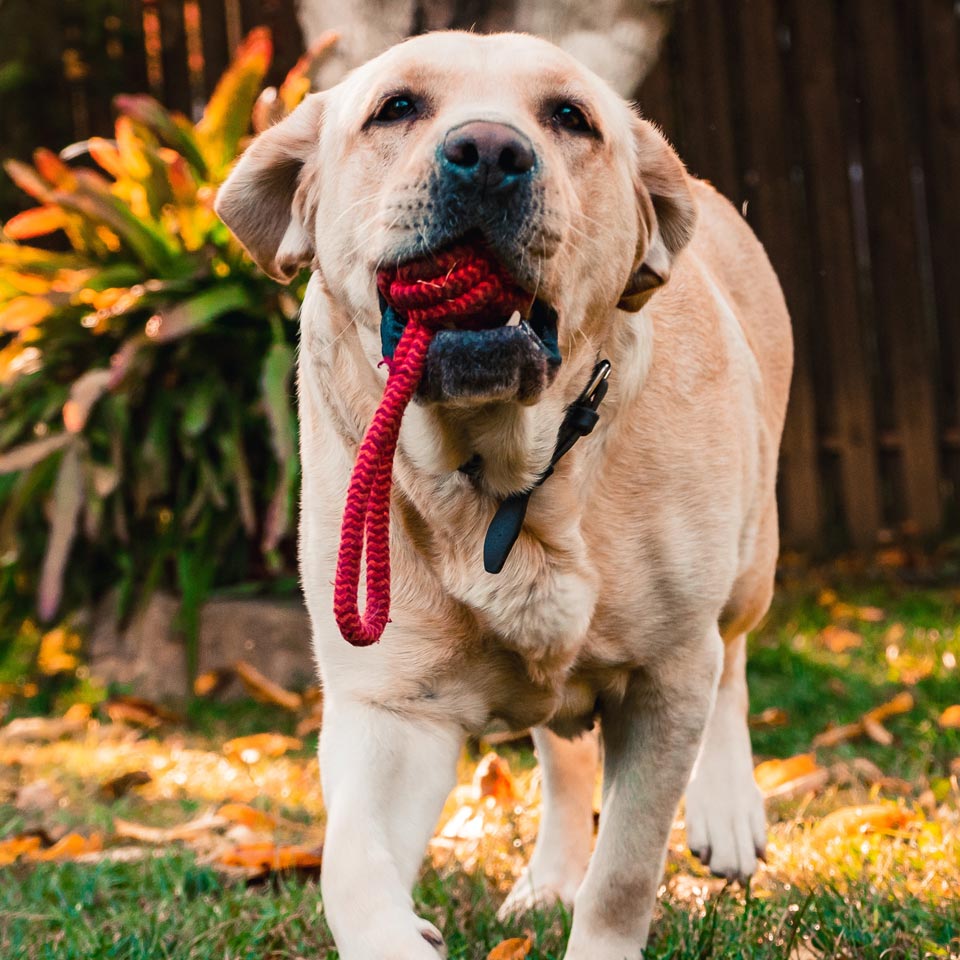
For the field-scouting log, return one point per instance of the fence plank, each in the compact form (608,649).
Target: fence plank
(280,17)
(213,33)
(896,280)
(176,76)
(773,212)
(706,136)
(938,38)
(835,283)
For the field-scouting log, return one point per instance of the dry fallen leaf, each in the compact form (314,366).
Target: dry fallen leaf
(191,830)
(516,948)
(251,749)
(494,779)
(834,735)
(68,847)
(265,690)
(771,717)
(211,683)
(268,856)
(139,712)
(17,847)
(855,821)
(248,816)
(870,724)
(950,718)
(116,787)
(795,774)
(311,723)
(838,639)
(28,729)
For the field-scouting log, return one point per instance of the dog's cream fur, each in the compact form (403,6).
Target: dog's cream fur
(644,560)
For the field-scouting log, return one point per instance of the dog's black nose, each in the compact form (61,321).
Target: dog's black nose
(491,155)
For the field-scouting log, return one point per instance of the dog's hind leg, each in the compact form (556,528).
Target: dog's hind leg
(562,853)
(726,825)
(385,778)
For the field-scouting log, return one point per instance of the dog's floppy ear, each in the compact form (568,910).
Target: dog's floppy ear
(259,201)
(667,214)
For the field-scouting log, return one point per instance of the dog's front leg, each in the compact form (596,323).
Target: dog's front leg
(650,742)
(385,778)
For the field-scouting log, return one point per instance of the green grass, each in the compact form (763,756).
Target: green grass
(869,901)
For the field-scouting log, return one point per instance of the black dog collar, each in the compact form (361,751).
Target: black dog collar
(580,419)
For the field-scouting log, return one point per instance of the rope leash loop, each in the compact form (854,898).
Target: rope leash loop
(463,285)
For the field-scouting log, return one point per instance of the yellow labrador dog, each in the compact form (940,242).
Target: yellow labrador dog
(643,560)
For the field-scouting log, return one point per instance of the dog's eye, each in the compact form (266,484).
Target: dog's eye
(400,107)
(571,117)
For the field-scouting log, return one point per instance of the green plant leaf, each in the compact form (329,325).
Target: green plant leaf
(196,312)
(275,386)
(66,504)
(173,131)
(30,454)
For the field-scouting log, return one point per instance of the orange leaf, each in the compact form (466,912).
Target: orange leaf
(248,816)
(209,683)
(268,856)
(23,312)
(494,779)
(107,156)
(950,718)
(251,749)
(516,948)
(53,169)
(70,846)
(856,821)
(37,222)
(265,690)
(17,847)
(901,703)
(774,776)
(837,639)
(771,717)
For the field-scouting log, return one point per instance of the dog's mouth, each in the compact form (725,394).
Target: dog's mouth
(503,349)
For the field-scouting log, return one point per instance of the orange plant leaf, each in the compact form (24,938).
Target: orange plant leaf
(68,847)
(950,718)
(16,847)
(857,821)
(264,689)
(107,156)
(37,222)
(516,948)
(22,312)
(53,169)
(248,816)
(251,749)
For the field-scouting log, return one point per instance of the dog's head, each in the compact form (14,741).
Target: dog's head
(501,141)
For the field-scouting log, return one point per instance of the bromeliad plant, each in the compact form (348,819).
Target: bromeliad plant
(147,435)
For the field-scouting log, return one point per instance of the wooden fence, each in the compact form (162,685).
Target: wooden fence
(834,125)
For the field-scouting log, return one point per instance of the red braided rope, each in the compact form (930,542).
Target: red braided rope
(462,285)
